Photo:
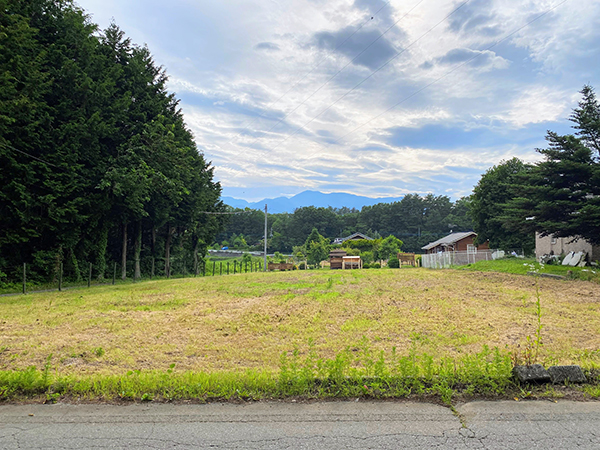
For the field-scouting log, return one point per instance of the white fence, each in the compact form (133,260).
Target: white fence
(443,260)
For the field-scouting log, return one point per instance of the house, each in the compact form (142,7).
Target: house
(550,245)
(456,242)
(352,237)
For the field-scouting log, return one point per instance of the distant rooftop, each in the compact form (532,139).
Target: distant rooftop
(352,237)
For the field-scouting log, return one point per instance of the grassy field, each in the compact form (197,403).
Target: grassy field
(247,321)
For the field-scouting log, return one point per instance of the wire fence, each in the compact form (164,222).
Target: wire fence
(31,281)
(444,260)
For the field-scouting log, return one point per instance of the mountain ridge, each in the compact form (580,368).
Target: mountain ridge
(310,198)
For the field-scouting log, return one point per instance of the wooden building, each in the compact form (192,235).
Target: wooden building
(352,262)
(336,258)
(455,242)
(409,259)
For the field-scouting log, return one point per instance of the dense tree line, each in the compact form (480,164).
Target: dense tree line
(96,162)
(559,195)
(416,220)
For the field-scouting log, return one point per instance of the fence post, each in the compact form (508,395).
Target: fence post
(214,265)
(90,276)
(259,266)
(234,266)
(60,275)
(24,278)
(114,272)
(246,267)
(227,267)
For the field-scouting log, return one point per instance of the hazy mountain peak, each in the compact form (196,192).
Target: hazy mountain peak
(310,198)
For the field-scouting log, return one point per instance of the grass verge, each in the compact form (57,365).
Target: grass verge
(520,266)
(355,373)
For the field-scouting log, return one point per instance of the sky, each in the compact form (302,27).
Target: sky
(367,97)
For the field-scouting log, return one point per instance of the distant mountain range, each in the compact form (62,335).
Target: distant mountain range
(310,198)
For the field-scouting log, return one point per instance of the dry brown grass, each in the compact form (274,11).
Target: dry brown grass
(247,321)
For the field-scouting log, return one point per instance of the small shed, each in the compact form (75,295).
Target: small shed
(352,262)
(409,259)
(336,258)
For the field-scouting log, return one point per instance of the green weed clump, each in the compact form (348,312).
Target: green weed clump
(360,372)
(354,372)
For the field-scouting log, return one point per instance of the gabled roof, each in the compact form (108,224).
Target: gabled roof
(354,236)
(451,239)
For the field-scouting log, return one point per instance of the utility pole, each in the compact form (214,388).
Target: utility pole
(265,269)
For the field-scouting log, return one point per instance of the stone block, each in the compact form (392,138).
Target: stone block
(563,374)
(534,373)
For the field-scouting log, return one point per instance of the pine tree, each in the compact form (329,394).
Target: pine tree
(561,194)
(493,190)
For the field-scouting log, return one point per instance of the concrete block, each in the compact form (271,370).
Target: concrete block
(534,373)
(562,374)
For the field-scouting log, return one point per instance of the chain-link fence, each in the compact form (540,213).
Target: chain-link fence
(444,260)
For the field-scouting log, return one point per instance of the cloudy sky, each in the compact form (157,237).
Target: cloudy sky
(368,97)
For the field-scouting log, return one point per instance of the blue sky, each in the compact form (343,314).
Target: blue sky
(367,97)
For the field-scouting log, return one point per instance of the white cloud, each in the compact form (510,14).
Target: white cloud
(537,104)
(240,66)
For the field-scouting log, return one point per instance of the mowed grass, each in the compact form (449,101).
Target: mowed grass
(523,266)
(246,321)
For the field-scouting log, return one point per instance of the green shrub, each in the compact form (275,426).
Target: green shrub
(367,257)
(375,266)
(352,251)
(393,263)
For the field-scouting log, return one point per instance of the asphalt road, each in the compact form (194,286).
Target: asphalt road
(329,425)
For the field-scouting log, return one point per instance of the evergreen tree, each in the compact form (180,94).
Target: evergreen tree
(560,195)
(487,207)
(93,149)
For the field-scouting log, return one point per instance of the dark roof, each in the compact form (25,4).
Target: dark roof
(451,239)
(356,235)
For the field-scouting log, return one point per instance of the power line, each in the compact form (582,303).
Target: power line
(453,70)
(372,73)
(226,213)
(340,70)
(27,154)
(315,67)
